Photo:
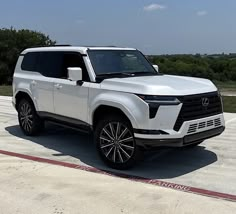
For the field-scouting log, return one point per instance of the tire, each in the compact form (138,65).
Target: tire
(30,123)
(115,142)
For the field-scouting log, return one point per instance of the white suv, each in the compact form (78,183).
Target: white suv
(117,94)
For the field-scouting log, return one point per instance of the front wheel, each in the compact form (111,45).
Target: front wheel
(115,142)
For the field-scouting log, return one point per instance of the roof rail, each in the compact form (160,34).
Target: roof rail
(59,45)
(45,46)
(97,46)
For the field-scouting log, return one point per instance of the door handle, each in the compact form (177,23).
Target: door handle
(58,86)
(33,82)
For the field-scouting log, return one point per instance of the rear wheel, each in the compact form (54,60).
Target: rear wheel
(30,123)
(115,142)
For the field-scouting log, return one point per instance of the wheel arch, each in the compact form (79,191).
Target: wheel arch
(20,95)
(104,109)
(123,103)
(108,110)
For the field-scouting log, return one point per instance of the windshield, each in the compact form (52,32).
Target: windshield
(119,62)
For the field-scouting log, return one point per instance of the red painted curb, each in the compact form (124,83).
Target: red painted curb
(156,182)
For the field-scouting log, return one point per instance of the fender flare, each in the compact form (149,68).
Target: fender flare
(119,102)
(26,92)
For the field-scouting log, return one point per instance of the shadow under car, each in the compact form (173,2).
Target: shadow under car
(163,163)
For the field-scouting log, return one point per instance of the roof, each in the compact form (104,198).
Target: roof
(81,49)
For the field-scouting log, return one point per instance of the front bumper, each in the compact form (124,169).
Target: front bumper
(180,142)
(188,128)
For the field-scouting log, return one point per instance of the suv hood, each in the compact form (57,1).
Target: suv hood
(160,85)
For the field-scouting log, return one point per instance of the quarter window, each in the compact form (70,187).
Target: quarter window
(29,62)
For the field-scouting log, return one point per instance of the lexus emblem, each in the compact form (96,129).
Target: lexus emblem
(205,102)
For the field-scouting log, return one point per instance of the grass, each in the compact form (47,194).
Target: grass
(229,102)
(228,86)
(5,90)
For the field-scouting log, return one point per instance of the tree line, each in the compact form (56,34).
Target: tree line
(220,67)
(12,43)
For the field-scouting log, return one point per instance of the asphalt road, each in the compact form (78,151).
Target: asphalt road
(210,166)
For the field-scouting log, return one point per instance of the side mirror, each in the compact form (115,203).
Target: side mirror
(74,74)
(156,67)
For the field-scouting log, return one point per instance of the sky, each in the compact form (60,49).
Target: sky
(152,26)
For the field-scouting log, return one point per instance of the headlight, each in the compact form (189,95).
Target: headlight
(160,100)
(154,102)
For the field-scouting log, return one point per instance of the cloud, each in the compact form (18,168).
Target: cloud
(202,13)
(153,7)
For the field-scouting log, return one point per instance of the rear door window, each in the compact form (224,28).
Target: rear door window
(50,64)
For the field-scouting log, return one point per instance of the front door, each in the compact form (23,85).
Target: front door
(70,99)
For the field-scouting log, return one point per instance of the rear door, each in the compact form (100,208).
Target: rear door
(40,86)
(49,65)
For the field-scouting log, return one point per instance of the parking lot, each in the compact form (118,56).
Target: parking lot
(209,169)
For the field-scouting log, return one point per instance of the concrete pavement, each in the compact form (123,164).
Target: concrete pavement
(30,187)
(44,188)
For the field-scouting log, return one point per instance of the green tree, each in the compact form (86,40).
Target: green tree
(12,43)
(215,67)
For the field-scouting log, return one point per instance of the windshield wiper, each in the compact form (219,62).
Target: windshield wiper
(144,72)
(114,74)
(101,77)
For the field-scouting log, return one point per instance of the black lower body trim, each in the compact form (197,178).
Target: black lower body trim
(179,142)
(203,135)
(152,132)
(66,121)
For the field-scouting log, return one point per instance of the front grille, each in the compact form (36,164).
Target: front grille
(193,108)
(205,124)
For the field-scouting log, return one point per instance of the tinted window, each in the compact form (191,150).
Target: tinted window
(54,64)
(30,62)
(119,61)
(50,64)
(74,60)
